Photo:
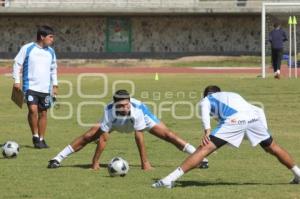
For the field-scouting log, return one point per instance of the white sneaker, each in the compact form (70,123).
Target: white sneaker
(160,184)
(296,180)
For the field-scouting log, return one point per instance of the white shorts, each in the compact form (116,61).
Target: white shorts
(234,129)
(150,120)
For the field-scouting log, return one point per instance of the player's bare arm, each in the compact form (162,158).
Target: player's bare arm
(99,149)
(139,139)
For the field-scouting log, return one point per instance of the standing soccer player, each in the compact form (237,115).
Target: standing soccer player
(276,37)
(124,114)
(237,118)
(36,62)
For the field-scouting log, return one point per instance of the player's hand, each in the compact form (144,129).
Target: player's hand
(17,86)
(146,166)
(95,166)
(54,90)
(205,140)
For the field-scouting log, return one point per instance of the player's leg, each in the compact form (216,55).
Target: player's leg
(257,132)
(283,156)
(161,131)
(32,116)
(280,53)
(43,105)
(273,60)
(190,162)
(91,135)
(42,125)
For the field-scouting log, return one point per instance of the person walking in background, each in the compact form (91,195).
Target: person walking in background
(276,37)
(36,61)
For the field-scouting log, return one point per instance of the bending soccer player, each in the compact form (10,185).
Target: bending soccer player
(124,114)
(237,118)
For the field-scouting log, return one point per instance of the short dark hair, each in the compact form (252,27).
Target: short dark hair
(44,31)
(276,24)
(211,89)
(121,95)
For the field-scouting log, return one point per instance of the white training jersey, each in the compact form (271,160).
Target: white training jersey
(139,119)
(39,68)
(226,105)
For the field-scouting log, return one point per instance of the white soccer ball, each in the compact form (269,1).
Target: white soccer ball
(118,167)
(10,149)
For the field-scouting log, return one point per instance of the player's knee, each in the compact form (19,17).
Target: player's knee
(265,144)
(88,137)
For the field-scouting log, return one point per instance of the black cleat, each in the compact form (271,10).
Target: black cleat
(35,141)
(41,145)
(296,180)
(203,165)
(53,164)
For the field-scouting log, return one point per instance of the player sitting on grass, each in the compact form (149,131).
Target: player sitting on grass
(124,114)
(237,118)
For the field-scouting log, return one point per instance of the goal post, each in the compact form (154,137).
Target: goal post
(286,9)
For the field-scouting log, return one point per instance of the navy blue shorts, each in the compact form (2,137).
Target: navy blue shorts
(43,100)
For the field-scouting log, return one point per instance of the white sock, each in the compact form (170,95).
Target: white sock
(205,160)
(278,72)
(296,171)
(64,153)
(41,138)
(36,135)
(177,173)
(188,148)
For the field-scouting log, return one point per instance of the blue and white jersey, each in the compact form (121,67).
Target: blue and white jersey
(226,105)
(39,68)
(140,118)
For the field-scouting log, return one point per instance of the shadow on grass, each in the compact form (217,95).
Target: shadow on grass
(88,166)
(192,183)
(219,183)
(27,146)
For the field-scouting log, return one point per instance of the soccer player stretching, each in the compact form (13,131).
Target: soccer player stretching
(237,118)
(124,114)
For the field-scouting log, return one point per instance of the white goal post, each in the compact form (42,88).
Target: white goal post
(265,5)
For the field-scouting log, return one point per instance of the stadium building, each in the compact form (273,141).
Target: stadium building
(135,28)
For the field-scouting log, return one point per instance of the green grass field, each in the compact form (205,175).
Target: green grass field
(244,173)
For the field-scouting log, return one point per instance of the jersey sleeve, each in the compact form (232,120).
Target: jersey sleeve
(140,123)
(106,123)
(205,113)
(20,57)
(19,60)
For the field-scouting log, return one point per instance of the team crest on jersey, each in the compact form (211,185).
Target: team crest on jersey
(30,98)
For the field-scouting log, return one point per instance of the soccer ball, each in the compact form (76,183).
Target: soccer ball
(10,149)
(118,167)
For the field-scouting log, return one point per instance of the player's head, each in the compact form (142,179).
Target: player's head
(45,34)
(122,102)
(211,89)
(276,24)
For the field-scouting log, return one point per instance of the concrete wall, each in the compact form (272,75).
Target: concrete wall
(85,36)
